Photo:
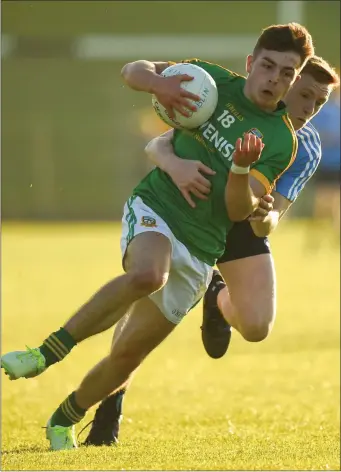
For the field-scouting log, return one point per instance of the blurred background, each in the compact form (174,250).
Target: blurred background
(73,134)
(72,151)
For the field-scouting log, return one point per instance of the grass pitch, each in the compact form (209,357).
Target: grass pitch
(272,405)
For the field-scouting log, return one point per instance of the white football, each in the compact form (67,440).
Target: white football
(202,85)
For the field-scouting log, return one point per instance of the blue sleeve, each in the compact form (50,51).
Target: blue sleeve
(293,181)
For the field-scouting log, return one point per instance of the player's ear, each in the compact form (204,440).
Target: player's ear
(249,61)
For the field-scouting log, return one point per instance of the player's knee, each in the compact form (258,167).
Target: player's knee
(148,280)
(255,334)
(256,330)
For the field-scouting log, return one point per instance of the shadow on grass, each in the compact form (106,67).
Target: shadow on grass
(36,449)
(24,449)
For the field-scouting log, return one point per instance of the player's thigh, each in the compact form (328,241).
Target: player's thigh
(248,269)
(144,329)
(251,283)
(145,242)
(148,250)
(187,282)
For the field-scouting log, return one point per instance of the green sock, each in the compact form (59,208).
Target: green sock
(68,412)
(57,346)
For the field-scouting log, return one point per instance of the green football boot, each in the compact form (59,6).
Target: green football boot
(29,363)
(61,437)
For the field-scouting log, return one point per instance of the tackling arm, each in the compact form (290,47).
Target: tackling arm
(263,226)
(160,151)
(186,174)
(292,182)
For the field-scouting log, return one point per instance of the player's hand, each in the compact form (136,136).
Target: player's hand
(187,176)
(172,96)
(263,210)
(247,150)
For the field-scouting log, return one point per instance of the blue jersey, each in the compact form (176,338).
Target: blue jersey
(328,124)
(292,182)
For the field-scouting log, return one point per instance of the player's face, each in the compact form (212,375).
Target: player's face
(271,74)
(305,99)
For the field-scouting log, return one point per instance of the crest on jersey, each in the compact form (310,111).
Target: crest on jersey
(256,132)
(148,221)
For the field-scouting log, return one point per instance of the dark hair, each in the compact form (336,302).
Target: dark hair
(290,37)
(323,72)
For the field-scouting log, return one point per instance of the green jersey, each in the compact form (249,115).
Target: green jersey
(203,229)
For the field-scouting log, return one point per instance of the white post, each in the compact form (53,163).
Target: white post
(289,11)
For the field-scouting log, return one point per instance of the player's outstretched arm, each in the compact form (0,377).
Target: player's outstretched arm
(243,192)
(144,76)
(187,175)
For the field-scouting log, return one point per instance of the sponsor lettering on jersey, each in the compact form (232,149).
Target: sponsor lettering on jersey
(212,135)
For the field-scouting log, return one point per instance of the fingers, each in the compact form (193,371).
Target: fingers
(173,95)
(204,189)
(265,205)
(185,77)
(268,198)
(205,169)
(202,181)
(182,110)
(256,218)
(250,143)
(254,143)
(188,104)
(238,147)
(247,150)
(258,146)
(170,111)
(185,93)
(192,96)
(261,212)
(246,143)
(184,107)
(198,194)
(187,197)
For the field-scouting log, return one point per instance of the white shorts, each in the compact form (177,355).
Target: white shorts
(188,277)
